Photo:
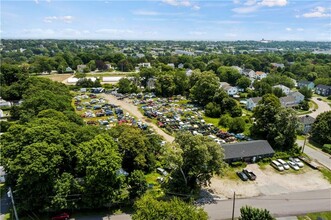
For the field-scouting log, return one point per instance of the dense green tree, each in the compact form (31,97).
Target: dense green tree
(124,85)
(321,129)
(308,93)
(228,74)
(201,159)
(213,110)
(275,123)
(165,85)
(250,213)
(243,82)
(278,92)
(148,208)
(225,120)
(204,89)
(137,184)
(237,125)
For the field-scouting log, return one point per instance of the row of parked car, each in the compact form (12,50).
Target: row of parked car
(282,165)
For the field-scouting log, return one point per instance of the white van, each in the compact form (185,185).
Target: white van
(285,165)
(277,165)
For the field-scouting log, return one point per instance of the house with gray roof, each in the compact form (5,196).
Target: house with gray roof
(247,151)
(305,83)
(252,102)
(307,122)
(323,90)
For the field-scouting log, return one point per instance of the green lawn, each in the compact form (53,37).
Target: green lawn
(314,216)
(213,121)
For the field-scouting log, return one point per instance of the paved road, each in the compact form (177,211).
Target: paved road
(322,107)
(316,154)
(281,205)
(133,110)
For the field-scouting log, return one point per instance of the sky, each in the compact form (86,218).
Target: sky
(215,20)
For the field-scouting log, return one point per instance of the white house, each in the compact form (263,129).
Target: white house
(231,90)
(285,89)
(4,103)
(252,102)
(260,75)
(250,73)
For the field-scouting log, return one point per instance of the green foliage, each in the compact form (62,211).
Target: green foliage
(148,208)
(225,120)
(212,110)
(125,85)
(228,74)
(88,83)
(274,123)
(237,125)
(278,92)
(243,82)
(165,85)
(4,126)
(250,213)
(308,93)
(304,105)
(137,184)
(201,158)
(205,88)
(327,148)
(321,129)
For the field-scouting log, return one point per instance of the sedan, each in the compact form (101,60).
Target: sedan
(293,165)
(297,161)
(242,176)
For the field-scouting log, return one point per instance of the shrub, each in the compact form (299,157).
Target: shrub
(225,120)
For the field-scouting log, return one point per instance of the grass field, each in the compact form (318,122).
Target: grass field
(57,77)
(316,216)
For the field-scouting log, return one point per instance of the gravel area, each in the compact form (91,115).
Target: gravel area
(270,182)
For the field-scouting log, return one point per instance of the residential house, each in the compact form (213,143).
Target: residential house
(297,96)
(80,68)
(171,65)
(252,102)
(180,66)
(285,89)
(4,103)
(323,90)
(276,65)
(249,73)
(305,83)
(249,151)
(260,75)
(189,72)
(240,70)
(288,101)
(147,65)
(231,90)
(307,121)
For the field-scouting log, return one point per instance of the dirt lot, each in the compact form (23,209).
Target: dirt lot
(58,77)
(270,182)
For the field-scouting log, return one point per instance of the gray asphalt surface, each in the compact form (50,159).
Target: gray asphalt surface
(291,204)
(322,107)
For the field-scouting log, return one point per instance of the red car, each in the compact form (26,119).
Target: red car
(62,216)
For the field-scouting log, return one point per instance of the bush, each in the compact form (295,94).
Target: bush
(237,125)
(281,155)
(238,164)
(225,120)
(327,148)
(329,98)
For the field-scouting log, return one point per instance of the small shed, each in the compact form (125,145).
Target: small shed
(248,151)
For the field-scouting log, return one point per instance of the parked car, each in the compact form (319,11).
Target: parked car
(293,165)
(242,176)
(297,161)
(249,174)
(62,216)
(277,165)
(285,165)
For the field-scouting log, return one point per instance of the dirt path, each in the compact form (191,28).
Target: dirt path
(132,109)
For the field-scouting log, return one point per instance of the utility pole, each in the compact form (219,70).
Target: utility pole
(10,194)
(234,202)
(304,143)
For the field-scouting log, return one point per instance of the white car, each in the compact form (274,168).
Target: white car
(285,165)
(297,161)
(293,165)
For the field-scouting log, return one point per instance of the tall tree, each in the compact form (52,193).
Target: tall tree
(250,213)
(321,130)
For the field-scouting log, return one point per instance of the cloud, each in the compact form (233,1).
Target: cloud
(236,1)
(184,3)
(66,19)
(36,1)
(250,2)
(147,13)
(245,10)
(288,29)
(272,3)
(317,12)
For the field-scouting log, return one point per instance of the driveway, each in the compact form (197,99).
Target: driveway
(316,154)
(322,107)
(133,110)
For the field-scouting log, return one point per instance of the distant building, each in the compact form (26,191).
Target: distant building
(305,83)
(323,90)
(231,90)
(80,68)
(260,75)
(288,101)
(252,102)
(307,121)
(285,89)
(147,65)
(68,70)
(249,73)
(276,65)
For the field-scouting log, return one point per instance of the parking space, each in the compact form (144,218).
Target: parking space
(269,181)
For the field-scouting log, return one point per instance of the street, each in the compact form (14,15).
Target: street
(291,204)
(322,107)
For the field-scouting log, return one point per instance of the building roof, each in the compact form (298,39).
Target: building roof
(320,86)
(305,82)
(256,99)
(296,93)
(259,72)
(307,120)
(287,99)
(247,149)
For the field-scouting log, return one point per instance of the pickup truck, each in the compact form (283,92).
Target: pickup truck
(249,174)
